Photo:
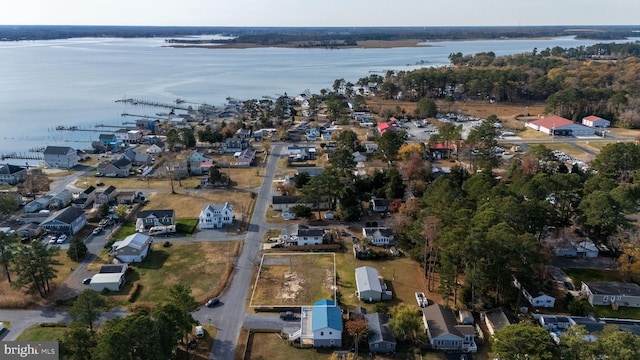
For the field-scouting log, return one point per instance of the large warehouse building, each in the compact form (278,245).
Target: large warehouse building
(559,126)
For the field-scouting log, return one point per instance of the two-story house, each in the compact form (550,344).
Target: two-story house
(85,198)
(116,168)
(196,161)
(215,216)
(60,157)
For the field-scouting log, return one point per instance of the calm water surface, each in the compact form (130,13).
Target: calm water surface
(75,82)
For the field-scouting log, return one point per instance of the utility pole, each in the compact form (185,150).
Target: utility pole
(171,179)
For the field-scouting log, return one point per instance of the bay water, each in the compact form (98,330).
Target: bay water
(75,82)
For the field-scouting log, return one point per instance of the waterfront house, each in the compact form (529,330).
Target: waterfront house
(11,174)
(370,286)
(134,248)
(444,331)
(146,219)
(380,337)
(128,136)
(611,292)
(109,140)
(215,216)
(60,157)
(379,236)
(67,221)
(302,235)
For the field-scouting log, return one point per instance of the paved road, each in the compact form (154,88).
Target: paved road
(22,319)
(229,314)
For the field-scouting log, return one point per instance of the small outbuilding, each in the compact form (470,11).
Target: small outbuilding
(109,281)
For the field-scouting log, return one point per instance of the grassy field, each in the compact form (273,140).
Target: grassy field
(580,275)
(623,312)
(42,333)
(204,266)
(189,205)
(294,279)
(403,276)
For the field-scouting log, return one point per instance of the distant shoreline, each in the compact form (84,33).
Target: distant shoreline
(365,44)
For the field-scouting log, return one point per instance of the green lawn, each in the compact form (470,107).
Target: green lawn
(580,275)
(200,265)
(623,312)
(42,333)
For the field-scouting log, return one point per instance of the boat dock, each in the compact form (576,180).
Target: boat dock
(22,156)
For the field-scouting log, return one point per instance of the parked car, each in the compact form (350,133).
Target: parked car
(199,332)
(278,245)
(52,239)
(86,281)
(99,183)
(97,231)
(288,315)
(62,239)
(212,302)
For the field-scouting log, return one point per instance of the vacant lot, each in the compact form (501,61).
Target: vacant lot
(294,279)
(271,346)
(203,266)
(189,205)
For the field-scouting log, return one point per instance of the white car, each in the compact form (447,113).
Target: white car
(52,239)
(62,239)
(199,332)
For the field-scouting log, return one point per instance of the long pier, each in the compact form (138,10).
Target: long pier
(21,156)
(143,102)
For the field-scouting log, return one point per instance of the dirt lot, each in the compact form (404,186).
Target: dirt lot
(294,279)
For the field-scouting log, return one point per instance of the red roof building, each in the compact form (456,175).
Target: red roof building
(384,127)
(559,126)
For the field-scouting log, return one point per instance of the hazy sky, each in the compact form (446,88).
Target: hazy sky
(320,12)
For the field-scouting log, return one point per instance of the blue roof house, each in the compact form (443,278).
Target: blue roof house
(326,324)
(320,325)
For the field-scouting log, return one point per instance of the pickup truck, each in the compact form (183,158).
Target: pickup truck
(288,315)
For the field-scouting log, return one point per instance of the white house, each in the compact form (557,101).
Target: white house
(215,216)
(379,236)
(595,121)
(154,149)
(134,248)
(302,235)
(60,157)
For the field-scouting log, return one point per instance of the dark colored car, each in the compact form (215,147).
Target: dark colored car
(278,245)
(86,281)
(288,315)
(212,302)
